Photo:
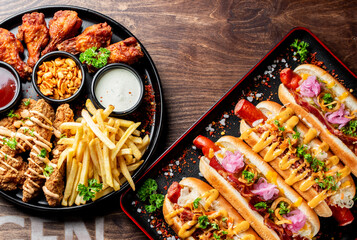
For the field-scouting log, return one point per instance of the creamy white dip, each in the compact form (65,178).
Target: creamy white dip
(118,87)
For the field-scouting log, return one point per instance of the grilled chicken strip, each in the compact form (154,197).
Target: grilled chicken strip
(41,118)
(54,185)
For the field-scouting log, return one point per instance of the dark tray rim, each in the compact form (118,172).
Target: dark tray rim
(215,105)
(154,141)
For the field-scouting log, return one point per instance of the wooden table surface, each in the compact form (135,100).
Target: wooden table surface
(200,48)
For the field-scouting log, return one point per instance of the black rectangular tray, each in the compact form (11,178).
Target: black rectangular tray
(260,83)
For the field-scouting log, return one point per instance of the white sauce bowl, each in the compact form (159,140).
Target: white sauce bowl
(118,85)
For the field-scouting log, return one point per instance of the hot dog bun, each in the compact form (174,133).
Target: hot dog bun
(241,204)
(192,188)
(336,145)
(271,109)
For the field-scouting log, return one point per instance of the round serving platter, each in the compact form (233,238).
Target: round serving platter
(150,112)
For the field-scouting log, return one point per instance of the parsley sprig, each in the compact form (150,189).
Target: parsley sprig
(88,193)
(350,129)
(148,191)
(249,176)
(43,153)
(301,49)
(97,59)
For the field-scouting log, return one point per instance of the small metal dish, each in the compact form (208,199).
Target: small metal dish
(98,76)
(51,56)
(17,94)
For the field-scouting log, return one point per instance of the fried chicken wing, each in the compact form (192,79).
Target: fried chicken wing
(98,35)
(54,185)
(127,51)
(35,34)
(64,25)
(10,50)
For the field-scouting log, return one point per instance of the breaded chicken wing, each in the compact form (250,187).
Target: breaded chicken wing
(98,35)
(35,34)
(64,25)
(10,50)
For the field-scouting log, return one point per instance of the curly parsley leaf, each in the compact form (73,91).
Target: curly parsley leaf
(89,192)
(27,102)
(283,208)
(147,189)
(296,135)
(156,201)
(260,205)
(301,49)
(94,57)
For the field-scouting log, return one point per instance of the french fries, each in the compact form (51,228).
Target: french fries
(103,150)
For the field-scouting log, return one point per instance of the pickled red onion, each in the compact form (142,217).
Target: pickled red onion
(297,218)
(265,189)
(310,87)
(233,162)
(338,117)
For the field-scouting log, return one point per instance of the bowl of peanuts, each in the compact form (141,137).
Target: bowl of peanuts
(58,77)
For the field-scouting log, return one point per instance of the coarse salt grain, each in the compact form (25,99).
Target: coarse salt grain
(250,99)
(138,210)
(177,163)
(226,116)
(223,122)
(258,95)
(283,60)
(194,147)
(133,203)
(200,174)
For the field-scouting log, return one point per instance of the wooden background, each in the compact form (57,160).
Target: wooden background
(201,48)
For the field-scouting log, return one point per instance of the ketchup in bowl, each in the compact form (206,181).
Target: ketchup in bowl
(7,87)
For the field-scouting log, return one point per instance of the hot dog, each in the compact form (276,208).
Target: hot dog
(260,195)
(299,156)
(324,103)
(196,211)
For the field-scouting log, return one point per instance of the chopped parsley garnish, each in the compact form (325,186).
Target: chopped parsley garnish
(350,129)
(5,156)
(316,165)
(301,49)
(43,153)
(156,201)
(329,182)
(26,130)
(270,210)
(215,226)
(88,193)
(196,202)
(327,97)
(97,59)
(27,102)
(224,219)
(296,135)
(31,133)
(338,174)
(149,187)
(217,237)
(301,150)
(48,170)
(276,122)
(224,232)
(283,208)
(203,221)
(249,176)
(11,114)
(260,205)
(11,143)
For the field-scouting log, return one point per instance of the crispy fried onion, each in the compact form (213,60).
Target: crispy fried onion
(279,220)
(324,106)
(353,114)
(252,169)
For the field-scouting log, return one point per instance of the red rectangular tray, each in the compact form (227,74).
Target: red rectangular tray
(260,83)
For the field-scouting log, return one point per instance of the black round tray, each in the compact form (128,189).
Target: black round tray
(145,67)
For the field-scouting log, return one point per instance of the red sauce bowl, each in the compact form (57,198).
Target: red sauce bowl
(10,87)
